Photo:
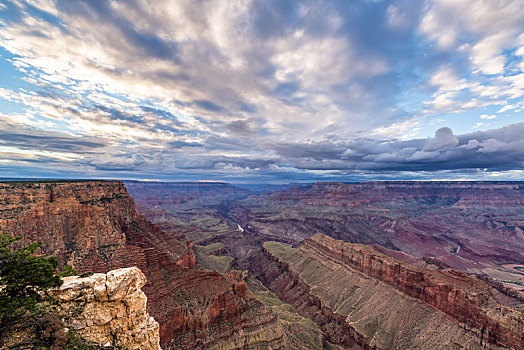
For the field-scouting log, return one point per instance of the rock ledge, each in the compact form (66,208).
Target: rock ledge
(109,309)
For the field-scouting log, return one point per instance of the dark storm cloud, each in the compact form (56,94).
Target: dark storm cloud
(208,105)
(444,139)
(181,144)
(240,127)
(497,149)
(314,150)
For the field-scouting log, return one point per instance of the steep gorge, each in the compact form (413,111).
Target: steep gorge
(94,226)
(360,296)
(357,295)
(476,227)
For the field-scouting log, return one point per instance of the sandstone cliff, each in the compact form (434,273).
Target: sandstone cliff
(360,296)
(94,226)
(109,309)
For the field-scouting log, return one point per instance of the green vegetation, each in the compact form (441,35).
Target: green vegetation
(25,310)
(24,277)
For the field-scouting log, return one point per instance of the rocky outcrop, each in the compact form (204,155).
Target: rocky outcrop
(379,302)
(109,309)
(91,225)
(214,309)
(95,227)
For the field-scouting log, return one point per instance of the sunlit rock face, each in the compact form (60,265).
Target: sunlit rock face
(109,309)
(86,224)
(360,296)
(94,227)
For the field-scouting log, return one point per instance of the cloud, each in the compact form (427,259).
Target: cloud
(495,150)
(404,130)
(208,105)
(240,127)
(277,89)
(484,33)
(444,139)
(488,116)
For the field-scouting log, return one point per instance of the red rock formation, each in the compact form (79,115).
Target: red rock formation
(472,226)
(94,226)
(462,297)
(289,287)
(467,300)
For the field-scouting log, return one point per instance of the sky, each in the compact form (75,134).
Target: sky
(269,91)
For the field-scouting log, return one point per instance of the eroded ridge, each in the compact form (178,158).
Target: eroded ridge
(358,295)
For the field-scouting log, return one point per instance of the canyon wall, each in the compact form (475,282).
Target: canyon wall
(193,209)
(476,227)
(358,295)
(94,226)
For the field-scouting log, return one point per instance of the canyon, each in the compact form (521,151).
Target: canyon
(95,227)
(358,295)
(378,265)
(476,227)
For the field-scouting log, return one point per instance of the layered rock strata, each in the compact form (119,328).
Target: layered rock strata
(94,226)
(360,296)
(476,227)
(191,208)
(109,309)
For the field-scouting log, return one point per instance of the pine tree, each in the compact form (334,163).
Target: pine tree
(23,277)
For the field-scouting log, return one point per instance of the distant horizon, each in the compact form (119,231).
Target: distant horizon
(27,179)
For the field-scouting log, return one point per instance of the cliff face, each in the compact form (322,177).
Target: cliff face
(358,295)
(94,226)
(109,309)
(91,225)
